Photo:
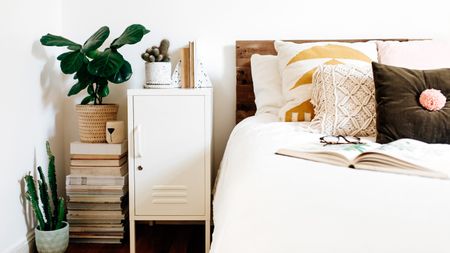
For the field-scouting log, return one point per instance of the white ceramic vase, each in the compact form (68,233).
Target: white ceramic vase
(55,241)
(158,73)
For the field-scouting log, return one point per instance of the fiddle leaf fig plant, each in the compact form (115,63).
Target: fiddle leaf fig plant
(93,68)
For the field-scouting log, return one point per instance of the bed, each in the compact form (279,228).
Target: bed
(269,203)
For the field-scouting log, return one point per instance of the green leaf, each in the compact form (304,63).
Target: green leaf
(63,55)
(54,40)
(102,81)
(84,76)
(87,100)
(96,40)
(103,90)
(90,89)
(124,74)
(71,62)
(132,34)
(76,88)
(106,64)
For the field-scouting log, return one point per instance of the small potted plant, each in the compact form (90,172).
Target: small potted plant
(51,232)
(157,66)
(93,70)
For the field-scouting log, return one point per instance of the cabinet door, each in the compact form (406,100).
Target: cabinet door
(170,147)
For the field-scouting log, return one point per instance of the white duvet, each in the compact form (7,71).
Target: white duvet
(270,203)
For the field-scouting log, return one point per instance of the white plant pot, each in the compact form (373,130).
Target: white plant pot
(158,73)
(55,241)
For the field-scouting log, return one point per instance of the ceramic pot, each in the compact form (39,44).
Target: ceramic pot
(115,132)
(92,121)
(158,73)
(55,241)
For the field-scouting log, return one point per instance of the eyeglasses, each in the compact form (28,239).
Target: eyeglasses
(339,139)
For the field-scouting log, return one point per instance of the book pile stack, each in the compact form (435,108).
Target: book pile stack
(97,190)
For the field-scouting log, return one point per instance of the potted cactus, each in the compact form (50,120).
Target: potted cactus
(93,70)
(157,66)
(51,232)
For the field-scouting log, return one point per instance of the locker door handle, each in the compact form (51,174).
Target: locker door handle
(137,141)
(140,167)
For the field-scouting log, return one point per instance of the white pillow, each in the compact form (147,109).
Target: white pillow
(297,63)
(266,84)
(344,100)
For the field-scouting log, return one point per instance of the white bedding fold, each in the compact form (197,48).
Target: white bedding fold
(270,203)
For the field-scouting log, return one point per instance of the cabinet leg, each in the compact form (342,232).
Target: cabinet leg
(132,236)
(207,235)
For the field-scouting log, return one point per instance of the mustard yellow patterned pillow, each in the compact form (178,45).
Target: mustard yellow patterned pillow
(298,62)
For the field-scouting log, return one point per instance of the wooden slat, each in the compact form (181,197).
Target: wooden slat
(245,97)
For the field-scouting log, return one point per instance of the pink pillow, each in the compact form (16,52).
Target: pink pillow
(425,54)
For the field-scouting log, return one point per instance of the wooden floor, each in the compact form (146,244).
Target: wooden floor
(154,239)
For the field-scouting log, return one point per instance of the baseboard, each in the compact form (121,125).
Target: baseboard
(25,246)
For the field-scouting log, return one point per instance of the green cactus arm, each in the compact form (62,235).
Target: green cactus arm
(43,192)
(31,195)
(61,213)
(52,176)
(164,47)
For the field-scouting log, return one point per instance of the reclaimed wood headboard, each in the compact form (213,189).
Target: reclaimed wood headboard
(245,97)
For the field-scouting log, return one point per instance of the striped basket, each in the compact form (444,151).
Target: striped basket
(92,121)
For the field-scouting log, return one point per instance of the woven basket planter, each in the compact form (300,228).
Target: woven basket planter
(92,121)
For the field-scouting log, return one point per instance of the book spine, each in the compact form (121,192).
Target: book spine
(191,65)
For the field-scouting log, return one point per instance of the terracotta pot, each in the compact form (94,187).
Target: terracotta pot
(92,121)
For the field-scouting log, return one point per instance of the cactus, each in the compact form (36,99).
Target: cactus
(157,54)
(43,192)
(32,196)
(61,212)
(53,215)
(164,47)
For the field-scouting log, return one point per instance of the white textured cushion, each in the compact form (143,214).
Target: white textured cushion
(344,100)
(266,84)
(298,62)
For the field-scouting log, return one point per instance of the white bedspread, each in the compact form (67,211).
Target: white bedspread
(270,203)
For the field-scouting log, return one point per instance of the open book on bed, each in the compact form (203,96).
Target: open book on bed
(404,156)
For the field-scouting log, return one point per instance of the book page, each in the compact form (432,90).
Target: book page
(413,154)
(336,154)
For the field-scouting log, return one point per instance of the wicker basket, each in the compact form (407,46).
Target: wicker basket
(92,121)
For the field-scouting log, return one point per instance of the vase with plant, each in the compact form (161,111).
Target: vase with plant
(157,65)
(93,70)
(51,232)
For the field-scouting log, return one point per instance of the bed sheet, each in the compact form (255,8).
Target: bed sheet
(269,203)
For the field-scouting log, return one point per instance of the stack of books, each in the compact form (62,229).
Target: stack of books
(97,189)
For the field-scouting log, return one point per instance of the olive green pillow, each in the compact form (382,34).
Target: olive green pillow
(399,112)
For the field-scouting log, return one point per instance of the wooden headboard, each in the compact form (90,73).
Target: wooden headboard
(245,97)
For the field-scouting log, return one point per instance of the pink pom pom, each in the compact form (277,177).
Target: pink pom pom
(432,100)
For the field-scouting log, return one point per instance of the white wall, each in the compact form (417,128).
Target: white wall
(34,106)
(220,23)
(30,109)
